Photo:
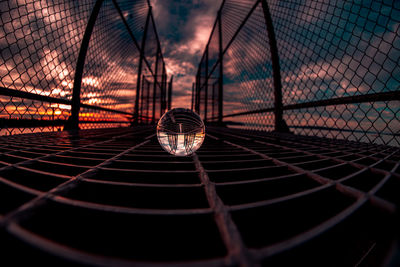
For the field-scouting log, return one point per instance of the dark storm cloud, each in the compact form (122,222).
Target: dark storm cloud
(184,28)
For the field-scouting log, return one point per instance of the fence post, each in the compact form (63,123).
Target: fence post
(141,99)
(192,96)
(206,88)
(199,94)
(170,92)
(213,102)
(153,119)
(221,71)
(196,99)
(280,124)
(73,121)
(163,92)
(139,75)
(148,101)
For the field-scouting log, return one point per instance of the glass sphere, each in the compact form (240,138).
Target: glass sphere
(180,131)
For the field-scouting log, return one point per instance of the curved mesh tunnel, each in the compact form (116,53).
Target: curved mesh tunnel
(300,164)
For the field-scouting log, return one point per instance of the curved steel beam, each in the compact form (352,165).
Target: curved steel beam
(280,125)
(73,120)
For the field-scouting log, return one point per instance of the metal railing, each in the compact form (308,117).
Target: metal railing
(86,64)
(315,68)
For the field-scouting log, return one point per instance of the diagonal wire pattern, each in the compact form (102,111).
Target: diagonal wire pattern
(318,68)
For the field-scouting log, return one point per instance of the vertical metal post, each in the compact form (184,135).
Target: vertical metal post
(206,88)
(141,100)
(153,119)
(162,95)
(73,120)
(201,87)
(280,125)
(170,92)
(198,96)
(196,107)
(198,89)
(213,101)
(148,101)
(163,92)
(166,108)
(139,75)
(52,116)
(221,71)
(192,96)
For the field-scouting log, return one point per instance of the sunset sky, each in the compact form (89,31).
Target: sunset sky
(184,28)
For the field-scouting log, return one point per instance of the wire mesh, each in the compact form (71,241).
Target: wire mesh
(337,71)
(41,43)
(151,47)
(135,13)
(145,101)
(113,197)
(89,197)
(111,63)
(39,48)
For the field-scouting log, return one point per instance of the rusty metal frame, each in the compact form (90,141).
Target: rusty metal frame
(73,121)
(329,165)
(374,97)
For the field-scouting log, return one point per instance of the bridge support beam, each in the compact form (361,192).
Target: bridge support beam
(73,121)
(280,124)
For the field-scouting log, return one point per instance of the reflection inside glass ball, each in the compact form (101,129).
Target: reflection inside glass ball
(180,131)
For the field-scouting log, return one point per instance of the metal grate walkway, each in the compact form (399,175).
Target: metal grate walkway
(114,197)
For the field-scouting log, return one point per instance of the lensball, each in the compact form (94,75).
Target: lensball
(180,132)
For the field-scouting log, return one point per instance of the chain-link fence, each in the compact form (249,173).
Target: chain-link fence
(86,64)
(321,68)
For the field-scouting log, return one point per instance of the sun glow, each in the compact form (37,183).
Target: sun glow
(91,81)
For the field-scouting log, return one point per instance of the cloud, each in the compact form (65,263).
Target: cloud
(184,28)
(111,62)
